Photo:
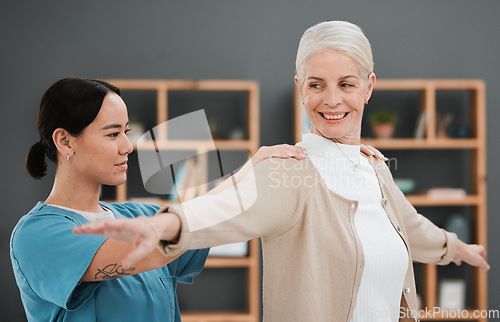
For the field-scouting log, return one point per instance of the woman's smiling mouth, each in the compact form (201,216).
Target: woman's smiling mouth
(336,116)
(122,166)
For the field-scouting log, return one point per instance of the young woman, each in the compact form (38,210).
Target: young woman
(338,236)
(83,127)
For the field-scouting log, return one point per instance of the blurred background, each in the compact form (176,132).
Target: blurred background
(43,41)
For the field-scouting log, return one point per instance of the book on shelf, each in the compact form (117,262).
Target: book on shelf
(182,177)
(191,189)
(446,193)
(230,250)
(421,123)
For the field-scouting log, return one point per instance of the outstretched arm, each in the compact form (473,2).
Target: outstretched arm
(282,151)
(135,241)
(139,239)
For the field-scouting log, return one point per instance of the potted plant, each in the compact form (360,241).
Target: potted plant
(383,123)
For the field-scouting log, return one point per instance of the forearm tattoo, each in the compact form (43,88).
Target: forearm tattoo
(113,271)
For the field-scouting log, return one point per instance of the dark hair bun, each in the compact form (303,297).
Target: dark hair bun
(35,161)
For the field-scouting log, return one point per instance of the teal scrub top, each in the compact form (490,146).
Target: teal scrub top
(49,260)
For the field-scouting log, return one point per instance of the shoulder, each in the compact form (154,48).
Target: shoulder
(288,175)
(45,215)
(43,228)
(384,173)
(132,209)
(380,166)
(291,165)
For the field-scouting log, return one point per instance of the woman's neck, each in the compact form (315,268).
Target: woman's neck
(349,140)
(72,193)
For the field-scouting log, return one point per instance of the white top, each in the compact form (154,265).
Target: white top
(91,216)
(385,254)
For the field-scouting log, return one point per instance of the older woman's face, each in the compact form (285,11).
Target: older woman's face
(334,93)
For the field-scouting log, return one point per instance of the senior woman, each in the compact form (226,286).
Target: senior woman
(338,236)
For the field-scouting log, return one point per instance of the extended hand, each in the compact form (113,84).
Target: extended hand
(144,233)
(474,255)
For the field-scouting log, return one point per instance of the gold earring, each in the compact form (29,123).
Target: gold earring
(366,102)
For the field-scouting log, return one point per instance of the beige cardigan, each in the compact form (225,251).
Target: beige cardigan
(313,259)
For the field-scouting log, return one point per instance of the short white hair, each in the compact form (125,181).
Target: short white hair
(338,35)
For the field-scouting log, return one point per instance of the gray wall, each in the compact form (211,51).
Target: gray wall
(47,40)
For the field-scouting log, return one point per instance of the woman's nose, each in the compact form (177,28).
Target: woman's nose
(332,97)
(126,146)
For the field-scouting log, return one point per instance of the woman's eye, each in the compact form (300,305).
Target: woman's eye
(114,135)
(314,85)
(346,85)
(127,131)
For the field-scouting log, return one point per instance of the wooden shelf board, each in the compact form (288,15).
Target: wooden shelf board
(229,262)
(412,144)
(151,84)
(415,200)
(423,200)
(422,84)
(184,85)
(217,317)
(195,145)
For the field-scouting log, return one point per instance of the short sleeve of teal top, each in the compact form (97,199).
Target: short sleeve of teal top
(49,260)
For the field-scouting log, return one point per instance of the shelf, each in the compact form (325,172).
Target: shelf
(229,262)
(196,145)
(218,317)
(427,96)
(401,144)
(163,88)
(423,84)
(423,200)
(184,85)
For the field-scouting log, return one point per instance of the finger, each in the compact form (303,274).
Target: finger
(481,263)
(376,153)
(366,150)
(293,152)
(482,252)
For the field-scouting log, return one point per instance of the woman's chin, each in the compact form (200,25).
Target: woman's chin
(328,133)
(116,181)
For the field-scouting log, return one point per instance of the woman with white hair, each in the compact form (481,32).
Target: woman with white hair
(338,236)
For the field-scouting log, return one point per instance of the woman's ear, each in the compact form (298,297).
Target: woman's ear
(371,83)
(296,79)
(62,141)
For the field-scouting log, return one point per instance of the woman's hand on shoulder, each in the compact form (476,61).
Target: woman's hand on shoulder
(286,151)
(282,151)
(369,150)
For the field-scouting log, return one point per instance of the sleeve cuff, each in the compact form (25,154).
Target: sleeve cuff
(451,248)
(167,247)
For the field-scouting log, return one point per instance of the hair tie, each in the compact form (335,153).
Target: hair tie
(43,143)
